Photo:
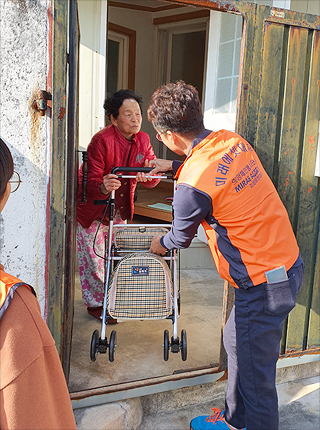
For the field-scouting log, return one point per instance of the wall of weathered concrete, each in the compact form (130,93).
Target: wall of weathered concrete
(24,60)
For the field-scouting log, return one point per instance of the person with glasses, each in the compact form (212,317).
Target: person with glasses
(223,186)
(33,391)
(15,182)
(122,143)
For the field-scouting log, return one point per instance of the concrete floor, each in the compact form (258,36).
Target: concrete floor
(299,409)
(139,352)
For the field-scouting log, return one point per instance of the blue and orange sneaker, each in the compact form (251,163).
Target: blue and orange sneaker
(212,422)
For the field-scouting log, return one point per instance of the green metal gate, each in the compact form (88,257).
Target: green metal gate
(64,168)
(279,113)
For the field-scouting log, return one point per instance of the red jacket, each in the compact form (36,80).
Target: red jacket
(109,149)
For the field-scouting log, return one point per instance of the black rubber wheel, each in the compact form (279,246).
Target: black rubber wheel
(166,345)
(183,345)
(112,345)
(94,345)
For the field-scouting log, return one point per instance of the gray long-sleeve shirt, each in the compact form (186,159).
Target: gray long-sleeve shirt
(190,207)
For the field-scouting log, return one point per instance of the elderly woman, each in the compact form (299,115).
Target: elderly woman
(120,144)
(33,390)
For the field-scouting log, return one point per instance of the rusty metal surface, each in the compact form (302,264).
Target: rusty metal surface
(279,115)
(306,217)
(147,382)
(70,252)
(219,5)
(314,322)
(58,159)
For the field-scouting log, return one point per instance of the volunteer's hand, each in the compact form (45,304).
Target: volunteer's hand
(160,165)
(110,183)
(156,247)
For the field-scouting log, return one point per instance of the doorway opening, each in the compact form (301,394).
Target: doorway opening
(182,51)
(173,43)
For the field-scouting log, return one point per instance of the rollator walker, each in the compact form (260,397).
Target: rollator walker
(138,285)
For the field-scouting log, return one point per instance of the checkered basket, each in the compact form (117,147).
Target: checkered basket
(136,238)
(140,288)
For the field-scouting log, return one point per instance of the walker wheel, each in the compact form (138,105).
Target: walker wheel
(166,345)
(112,345)
(183,345)
(94,345)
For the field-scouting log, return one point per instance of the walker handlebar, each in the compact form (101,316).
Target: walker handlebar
(131,169)
(115,171)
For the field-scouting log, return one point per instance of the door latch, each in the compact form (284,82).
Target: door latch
(40,103)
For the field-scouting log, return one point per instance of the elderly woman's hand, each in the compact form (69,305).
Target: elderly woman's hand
(141,177)
(110,182)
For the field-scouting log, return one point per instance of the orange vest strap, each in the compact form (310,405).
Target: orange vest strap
(8,286)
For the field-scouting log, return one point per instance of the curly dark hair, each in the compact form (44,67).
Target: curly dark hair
(114,103)
(176,107)
(6,167)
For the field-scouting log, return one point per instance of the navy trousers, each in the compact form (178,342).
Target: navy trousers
(252,338)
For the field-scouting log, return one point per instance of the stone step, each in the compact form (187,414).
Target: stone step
(126,415)
(299,409)
(298,388)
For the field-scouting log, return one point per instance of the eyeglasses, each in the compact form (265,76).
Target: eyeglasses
(159,137)
(15,182)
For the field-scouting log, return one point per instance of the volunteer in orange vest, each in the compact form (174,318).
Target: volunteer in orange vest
(223,186)
(33,390)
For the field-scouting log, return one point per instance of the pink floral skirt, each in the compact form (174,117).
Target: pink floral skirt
(91,267)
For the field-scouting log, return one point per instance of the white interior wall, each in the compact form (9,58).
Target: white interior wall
(24,63)
(93,21)
(141,22)
(214,121)
(92,74)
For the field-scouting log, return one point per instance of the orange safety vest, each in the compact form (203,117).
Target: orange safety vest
(8,286)
(249,231)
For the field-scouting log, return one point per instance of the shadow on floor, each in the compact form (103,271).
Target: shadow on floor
(139,352)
